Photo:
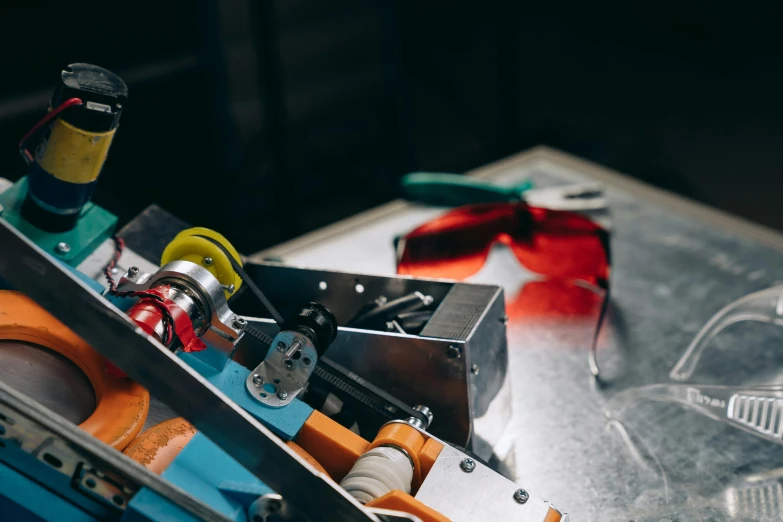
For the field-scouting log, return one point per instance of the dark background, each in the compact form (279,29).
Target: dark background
(266,119)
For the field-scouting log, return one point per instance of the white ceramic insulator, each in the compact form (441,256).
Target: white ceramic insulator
(377,472)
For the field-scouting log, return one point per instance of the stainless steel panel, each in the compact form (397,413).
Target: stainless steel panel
(480,494)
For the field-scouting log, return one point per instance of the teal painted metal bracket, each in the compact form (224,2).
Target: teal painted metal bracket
(94,227)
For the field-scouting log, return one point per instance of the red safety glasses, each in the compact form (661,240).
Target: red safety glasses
(556,244)
(551,243)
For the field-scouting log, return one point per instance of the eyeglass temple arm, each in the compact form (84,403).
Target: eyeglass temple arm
(764,306)
(757,409)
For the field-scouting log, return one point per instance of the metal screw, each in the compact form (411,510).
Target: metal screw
(239,322)
(453,352)
(474,369)
(228,288)
(282,395)
(521,496)
(468,465)
(257,379)
(63,247)
(288,363)
(306,361)
(133,271)
(504,319)
(281,346)
(207,261)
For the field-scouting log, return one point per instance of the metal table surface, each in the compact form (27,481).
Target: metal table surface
(675,263)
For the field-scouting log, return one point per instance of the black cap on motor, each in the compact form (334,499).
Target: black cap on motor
(316,322)
(104,95)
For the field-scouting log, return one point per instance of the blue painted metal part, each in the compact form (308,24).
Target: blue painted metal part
(201,469)
(206,471)
(24,499)
(285,422)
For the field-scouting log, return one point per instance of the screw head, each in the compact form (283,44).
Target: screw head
(257,379)
(521,496)
(282,395)
(306,361)
(281,347)
(208,261)
(468,465)
(288,363)
(504,319)
(453,352)
(229,288)
(133,271)
(62,247)
(474,369)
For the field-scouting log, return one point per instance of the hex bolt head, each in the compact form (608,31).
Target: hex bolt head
(453,352)
(257,379)
(521,496)
(62,247)
(282,395)
(468,465)
(208,261)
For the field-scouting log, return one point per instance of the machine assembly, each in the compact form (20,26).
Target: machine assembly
(291,394)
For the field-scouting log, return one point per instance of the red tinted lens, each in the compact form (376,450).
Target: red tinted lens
(455,245)
(551,243)
(562,244)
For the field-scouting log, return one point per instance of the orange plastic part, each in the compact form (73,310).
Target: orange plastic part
(299,450)
(121,404)
(553,516)
(408,438)
(401,501)
(336,448)
(158,446)
(428,455)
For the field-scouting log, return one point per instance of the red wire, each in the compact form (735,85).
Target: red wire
(46,119)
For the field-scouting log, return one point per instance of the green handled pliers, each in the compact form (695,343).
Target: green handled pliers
(456,190)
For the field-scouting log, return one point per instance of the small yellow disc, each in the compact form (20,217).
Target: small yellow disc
(186,246)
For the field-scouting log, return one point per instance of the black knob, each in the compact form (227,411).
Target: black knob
(316,322)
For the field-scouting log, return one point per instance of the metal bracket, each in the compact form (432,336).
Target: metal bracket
(284,373)
(225,327)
